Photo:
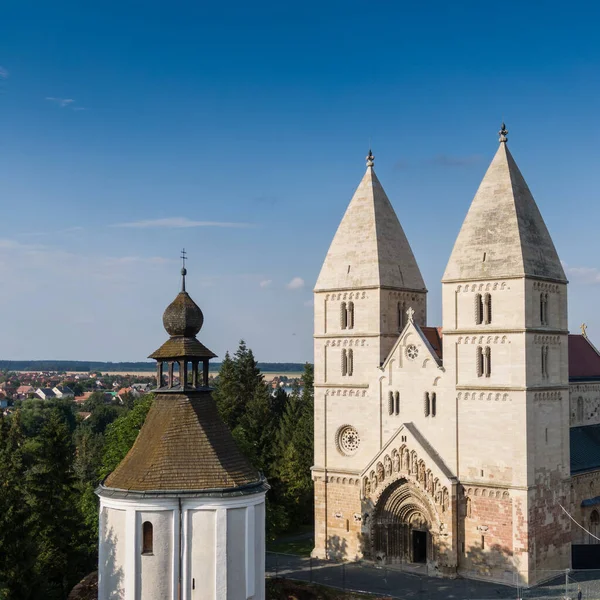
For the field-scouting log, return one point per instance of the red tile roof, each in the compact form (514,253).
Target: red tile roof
(584,360)
(434,337)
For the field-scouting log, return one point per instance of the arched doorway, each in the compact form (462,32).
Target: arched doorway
(402,523)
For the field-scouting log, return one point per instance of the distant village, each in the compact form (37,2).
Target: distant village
(116,388)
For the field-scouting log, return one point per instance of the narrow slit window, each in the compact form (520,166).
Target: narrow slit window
(400,316)
(487,308)
(487,363)
(350,366)
(426,404)
(147,538)
(344,362)
(343,316)
(478,309)
(391,403)
(479,360)
(350,317)
(433,404)
(397,399)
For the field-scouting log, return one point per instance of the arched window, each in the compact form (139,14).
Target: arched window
(468,511)
(594,526)
(397,398)
(479,361)
(433,404)
(400,316)
(543,308)
(343,316)
(344,362)
(350,359)
(478,309)
(147,538)
(350,316)
(487,362)
(391,403)
(426,404)
(487,308)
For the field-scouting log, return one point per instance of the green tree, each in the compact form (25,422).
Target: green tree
(226,392)
(296,449)
(16,539)
(52,498)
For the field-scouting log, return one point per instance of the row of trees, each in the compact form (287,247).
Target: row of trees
(51,461)
(274,429)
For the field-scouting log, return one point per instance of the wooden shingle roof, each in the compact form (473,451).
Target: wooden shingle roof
(183,446)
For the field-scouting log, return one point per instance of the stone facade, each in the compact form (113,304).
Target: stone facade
(457,456)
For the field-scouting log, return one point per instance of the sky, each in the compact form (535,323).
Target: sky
(238,131)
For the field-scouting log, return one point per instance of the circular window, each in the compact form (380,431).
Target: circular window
(348,440)
(412,351)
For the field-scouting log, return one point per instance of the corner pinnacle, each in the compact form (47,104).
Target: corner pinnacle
(370,159)
(503,133)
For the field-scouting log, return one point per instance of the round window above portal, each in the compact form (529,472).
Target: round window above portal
(348,440)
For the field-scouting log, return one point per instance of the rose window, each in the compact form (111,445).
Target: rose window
(412,351)
(348,440)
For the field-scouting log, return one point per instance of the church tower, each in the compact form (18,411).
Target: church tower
(183,515)
(505,341)
(368,281)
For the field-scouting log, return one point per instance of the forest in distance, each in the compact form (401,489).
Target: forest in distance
(80,366)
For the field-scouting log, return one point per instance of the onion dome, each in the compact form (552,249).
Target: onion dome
(183,317)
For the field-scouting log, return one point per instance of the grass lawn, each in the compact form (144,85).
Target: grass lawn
(300,542)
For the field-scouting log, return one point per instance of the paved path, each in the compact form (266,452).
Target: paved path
(409,585)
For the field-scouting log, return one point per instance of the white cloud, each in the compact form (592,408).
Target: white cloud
(3,73)
(62,102)
(265,283)
(178,223)
(296,284)
(589,275)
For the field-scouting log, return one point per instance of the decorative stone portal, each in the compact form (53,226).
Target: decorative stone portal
(402,525)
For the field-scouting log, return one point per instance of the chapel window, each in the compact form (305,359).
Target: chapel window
(478,309)
(147,538)
(397,402)
(426,404)
(344,362)
(391,403)
(468,511)
(487,308)
(433,404)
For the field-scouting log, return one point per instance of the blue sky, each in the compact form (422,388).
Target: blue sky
(238,131)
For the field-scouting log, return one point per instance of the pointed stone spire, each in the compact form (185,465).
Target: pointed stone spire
(370,248)
(503,234)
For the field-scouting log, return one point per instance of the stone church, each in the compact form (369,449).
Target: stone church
(464,446)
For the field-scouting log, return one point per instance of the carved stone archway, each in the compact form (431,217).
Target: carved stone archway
(403,525)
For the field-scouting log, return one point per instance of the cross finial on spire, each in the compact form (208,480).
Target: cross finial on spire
(503,133)
(370,159)
(584,330)
(183,269)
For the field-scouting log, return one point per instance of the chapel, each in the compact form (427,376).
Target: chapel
(460,447)
(182,517)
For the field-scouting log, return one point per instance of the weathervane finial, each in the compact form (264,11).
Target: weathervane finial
(503,133)
(370,159)
(183,269)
